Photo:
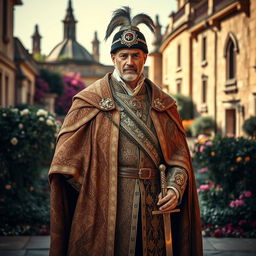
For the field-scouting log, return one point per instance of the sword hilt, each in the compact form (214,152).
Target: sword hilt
(162,169)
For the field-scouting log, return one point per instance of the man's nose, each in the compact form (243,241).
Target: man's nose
(130,61)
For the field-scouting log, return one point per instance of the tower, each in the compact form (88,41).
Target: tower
(36,42)
(95,47)
(69,23)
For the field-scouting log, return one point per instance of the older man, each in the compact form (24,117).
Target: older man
(105,173)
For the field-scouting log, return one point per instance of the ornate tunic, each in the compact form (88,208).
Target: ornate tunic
(136,193)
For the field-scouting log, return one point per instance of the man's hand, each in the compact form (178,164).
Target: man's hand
(169,202)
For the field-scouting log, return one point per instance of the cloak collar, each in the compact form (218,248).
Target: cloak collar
(100,96)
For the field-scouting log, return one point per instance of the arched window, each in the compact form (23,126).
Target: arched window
(230,53)
(231,61)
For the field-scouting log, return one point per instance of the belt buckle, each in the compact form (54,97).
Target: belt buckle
(145,173)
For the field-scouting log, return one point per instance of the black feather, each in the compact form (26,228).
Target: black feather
(143,19)
(121,17)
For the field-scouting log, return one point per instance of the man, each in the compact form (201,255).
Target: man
(104,177)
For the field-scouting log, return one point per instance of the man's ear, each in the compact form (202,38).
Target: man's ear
(113,56)
(145,58)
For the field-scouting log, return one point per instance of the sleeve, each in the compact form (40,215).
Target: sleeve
(177,180)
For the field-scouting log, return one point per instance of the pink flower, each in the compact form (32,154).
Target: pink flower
(208,143)
(202,148)
(236,203)
(241,196)
(204,187)
(202,170)
(232,204)
(247,193)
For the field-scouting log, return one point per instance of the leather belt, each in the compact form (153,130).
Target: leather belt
(138,173)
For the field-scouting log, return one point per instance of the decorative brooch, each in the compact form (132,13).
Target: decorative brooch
(158,103)
(129,38)
(106,103)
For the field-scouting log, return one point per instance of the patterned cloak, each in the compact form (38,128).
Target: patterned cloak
(87,149)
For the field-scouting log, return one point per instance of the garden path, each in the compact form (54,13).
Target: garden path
(39,246)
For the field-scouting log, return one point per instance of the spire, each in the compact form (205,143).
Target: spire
(158,36)
(36,41)
(95,47)
(69,23)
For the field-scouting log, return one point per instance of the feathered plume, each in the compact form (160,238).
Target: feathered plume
(122,17)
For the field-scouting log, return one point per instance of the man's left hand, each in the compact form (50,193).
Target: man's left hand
(169,202)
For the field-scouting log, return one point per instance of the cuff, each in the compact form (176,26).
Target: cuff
(177,180)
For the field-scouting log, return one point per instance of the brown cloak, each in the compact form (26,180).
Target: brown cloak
(87,149)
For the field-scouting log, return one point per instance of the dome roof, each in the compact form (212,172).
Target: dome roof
(69,49)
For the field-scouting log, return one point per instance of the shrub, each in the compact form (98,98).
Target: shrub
(203,125)
(27,141)
(54,81)
(226,175)
(185,106)
(42,88)
(249,127)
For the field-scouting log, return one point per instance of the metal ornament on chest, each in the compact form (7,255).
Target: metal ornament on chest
(137,107)
(159,103)
(106,103)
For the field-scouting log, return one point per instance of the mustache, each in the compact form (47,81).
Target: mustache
(130,68)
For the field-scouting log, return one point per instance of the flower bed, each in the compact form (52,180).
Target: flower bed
(225,171)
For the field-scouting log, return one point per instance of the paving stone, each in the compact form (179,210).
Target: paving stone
(219,253)
(38,242)
(233,244)
(37,253)
(13,242)
(207,245)
(12,252)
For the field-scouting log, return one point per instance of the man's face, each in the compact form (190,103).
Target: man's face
(129,64)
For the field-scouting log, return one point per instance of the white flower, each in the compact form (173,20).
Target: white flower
(4,114)
(21,126)
(41,112)
(49,122)
(41,119)
(14,141)
(24,112)
(14,110)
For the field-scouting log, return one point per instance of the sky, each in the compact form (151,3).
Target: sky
(91,16)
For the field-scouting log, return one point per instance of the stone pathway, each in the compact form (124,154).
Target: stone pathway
(39,246)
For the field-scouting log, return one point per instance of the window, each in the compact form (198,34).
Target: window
(231,61)
(179,86)
(204,91)
(204,54)
(230,54)
(179,56)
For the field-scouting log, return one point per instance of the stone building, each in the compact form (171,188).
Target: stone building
(208,52)
(69,55)
(17,68)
